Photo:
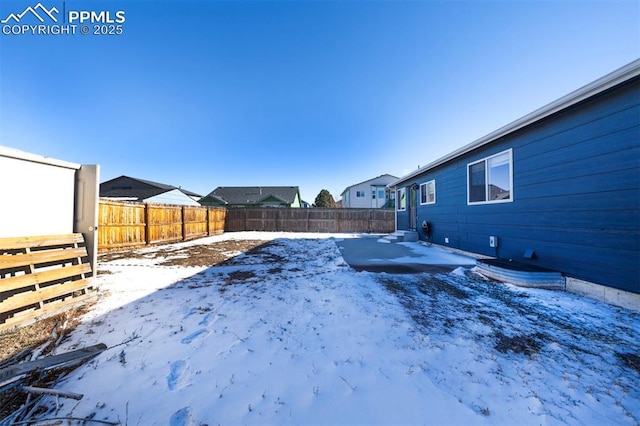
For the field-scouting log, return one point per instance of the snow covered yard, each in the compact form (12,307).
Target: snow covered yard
(287,333)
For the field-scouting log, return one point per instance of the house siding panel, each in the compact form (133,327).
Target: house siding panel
(296,202)
(576,193)
(172,197)
(351,200)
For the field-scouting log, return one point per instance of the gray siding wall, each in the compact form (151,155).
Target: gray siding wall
(45,196)
(576,194)
(36,195)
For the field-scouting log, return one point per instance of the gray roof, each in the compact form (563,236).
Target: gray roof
(254,194)
(140,189)
(610,80)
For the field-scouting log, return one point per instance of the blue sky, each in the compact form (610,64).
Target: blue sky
(201,94)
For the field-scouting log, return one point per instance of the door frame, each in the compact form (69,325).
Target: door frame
(412,207)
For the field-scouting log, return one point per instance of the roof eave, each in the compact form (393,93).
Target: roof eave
(9,152)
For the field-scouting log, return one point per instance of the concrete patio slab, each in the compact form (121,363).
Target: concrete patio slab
(367,254)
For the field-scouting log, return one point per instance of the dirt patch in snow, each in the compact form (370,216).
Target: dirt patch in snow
(237,276)
(194,255)
(12,342)
(630,360)
(521,343)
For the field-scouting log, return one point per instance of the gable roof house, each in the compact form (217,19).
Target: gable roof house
(125,188)
(369,194)
(253,196)
(558,188)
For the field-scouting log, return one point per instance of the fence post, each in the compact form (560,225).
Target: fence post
(207,219)
(147,225)
(277,224)
(184,224)
(244,218)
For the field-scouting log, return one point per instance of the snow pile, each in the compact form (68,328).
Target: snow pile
(289,334)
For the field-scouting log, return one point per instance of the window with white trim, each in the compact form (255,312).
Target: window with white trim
(490,180)
(428,192)
(401,201)
(359,194)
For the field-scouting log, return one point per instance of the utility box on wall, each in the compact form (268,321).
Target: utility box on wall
(493,241)
(45,196)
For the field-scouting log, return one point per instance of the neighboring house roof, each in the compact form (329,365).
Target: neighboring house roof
(115,188)
(254,194)
(212,197)
(369,180)
(600,85)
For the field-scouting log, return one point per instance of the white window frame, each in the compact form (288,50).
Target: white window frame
(401,195)
(424,190)
(486,160)
(360,194)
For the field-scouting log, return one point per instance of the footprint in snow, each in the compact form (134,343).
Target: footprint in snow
(196,334)
(189,313)
(182,417)
(207,319)
(178,375)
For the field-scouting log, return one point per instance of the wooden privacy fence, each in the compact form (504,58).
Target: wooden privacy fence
(310,220)
(123,225)
(40,276)
(126,225)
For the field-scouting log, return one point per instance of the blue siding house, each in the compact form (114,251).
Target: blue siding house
(558,188)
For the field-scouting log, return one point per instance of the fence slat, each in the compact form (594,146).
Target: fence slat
(43,256)
(26,280)
(195,222)
(121,224)
(32,297)
(42,275)
(217,218)
(48,240)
